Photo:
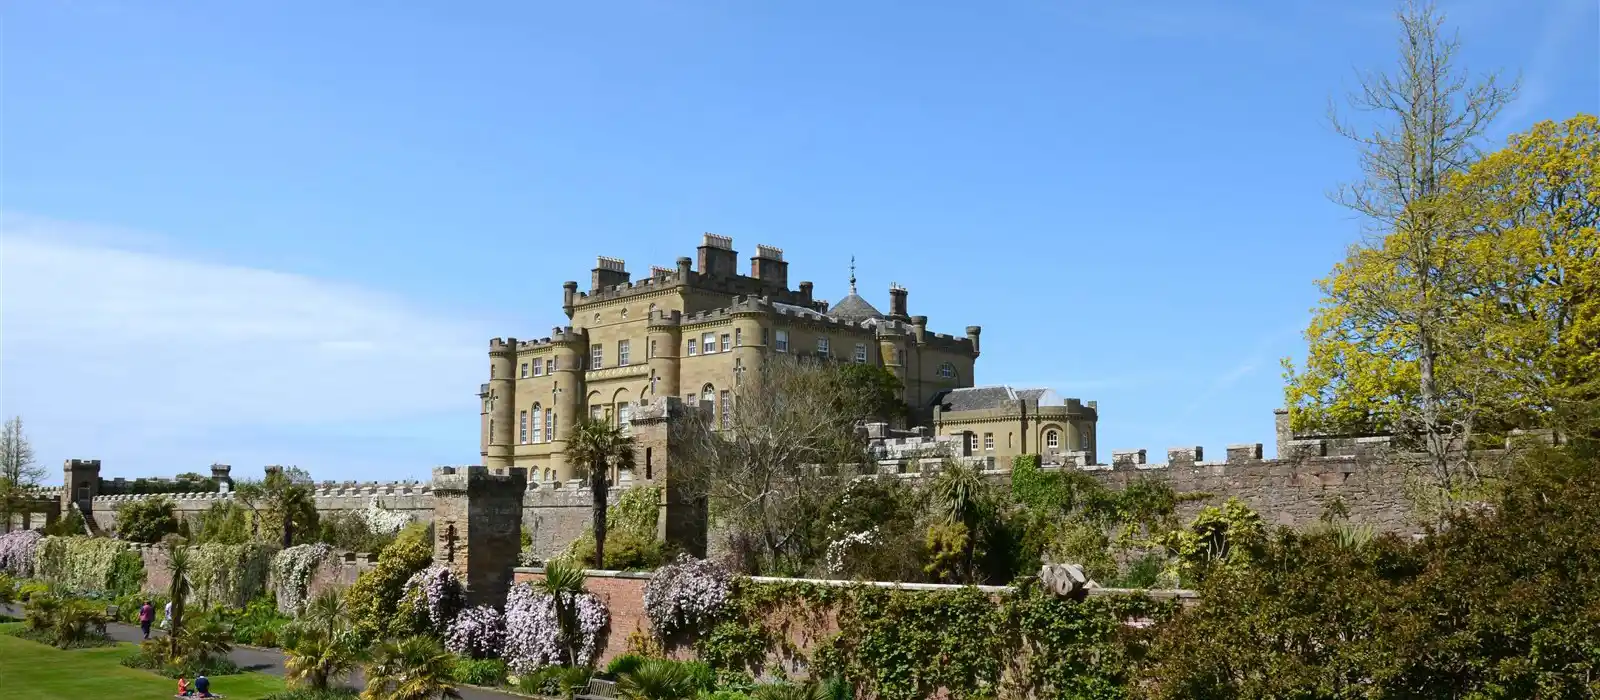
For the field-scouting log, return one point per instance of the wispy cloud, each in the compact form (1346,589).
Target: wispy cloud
(113,343)
(1263,353)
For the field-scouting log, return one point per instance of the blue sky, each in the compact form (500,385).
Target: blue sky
(282,232)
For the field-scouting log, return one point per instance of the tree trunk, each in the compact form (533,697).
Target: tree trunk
(599,486)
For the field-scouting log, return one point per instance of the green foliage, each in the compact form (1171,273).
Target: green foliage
(88,564)
(229,574)
(658,679)
(555,681)
(225,522)
(318,658)
(489,672)
(348,531)
(1229,536)
(310,694)
(153,656)
(146,520)
(68,524)
(127,574)
(285,509)
(630,532)
(257,624)
(65,623)
(414,668)
(375,596)
(870,392)
(624,663)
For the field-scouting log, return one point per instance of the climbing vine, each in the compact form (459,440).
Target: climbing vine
(83,564)
(228,574)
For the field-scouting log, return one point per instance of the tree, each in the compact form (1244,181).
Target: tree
(317,657)
(414,668)
(146,520)
(769,469)
(596,448)
(285,502)
(564,583)
(1385,349)
(18,471)
(177,595)
(870,392)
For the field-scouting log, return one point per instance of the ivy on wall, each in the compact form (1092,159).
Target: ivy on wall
(897,644)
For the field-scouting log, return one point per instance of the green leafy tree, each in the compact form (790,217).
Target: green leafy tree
(374,598)
(146,520)
(317,658)
(284,504)
(564,583)
(1386,348)
(225,522)
(178,594)
(870,392)
(598,449)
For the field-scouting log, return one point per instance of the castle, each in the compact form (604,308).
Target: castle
(702,326)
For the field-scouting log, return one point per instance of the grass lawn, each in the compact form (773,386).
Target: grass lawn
(37,672)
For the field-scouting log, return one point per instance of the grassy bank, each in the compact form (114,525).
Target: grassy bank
(38,672)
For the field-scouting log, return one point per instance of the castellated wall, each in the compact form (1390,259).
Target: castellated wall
(412,497)
(554,514)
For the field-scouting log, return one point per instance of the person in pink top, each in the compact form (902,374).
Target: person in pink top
(147,615)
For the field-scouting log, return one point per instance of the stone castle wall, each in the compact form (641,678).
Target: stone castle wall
(337,571)
(410,497)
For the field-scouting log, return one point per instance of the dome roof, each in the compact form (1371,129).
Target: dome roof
(855,309)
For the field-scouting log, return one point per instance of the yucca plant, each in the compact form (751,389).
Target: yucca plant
(657,680)
(177,593)
(414,668)
(318,658)
(831,689)
(564,583)
(40,614)
(327,612)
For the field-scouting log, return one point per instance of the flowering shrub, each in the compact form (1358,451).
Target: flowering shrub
(383,521)
(837,559)
(433,597)
(533,635)
(291,574)
(84,564)
(684,594)
(228,574)
(477,632)
(17,550)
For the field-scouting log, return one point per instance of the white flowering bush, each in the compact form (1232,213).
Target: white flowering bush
(292,569)
(533,635)
(16,552)
(228,574)
(383,521)
(477,633)
(434,596)
(837,558)
(83,564)
(684,594)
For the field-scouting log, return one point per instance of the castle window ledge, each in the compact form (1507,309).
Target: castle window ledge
(639,370)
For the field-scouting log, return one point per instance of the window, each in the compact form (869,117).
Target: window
(727,342)
(1052,439)
(624,312)
(947,371)
(727,409)
(1009,438)
(538,366)
(738,337)
(900,356)
(553,362)
(549,425)
(692,347)
(708,394)
(594,412)
(972,441)
(1083,440)
(689,399)
(538,424)
(524,370)
(708,343)
(822,346)
(650,350)
(624,417)
(988,441)
(764,336)
(783,341)
(861,353)
(738,370)
(653,380)
(597,356)
(622,353)
(492,371)
(649,467)
(522,426)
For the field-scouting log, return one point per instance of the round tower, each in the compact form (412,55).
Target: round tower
(664,343)
(570,344)
(748,354)
(502,401)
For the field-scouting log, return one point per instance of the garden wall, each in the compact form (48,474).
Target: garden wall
(623,595)
(337,571)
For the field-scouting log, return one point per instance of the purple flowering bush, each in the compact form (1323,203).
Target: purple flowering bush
(685,594)
(433,597)
(533,634)
(478,633)
(17,550)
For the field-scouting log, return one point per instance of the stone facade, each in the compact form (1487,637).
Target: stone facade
(693,331)
(478,518)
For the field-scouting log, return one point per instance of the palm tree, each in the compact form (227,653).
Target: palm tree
(414,668)
(657,680)
(177,592)
(327,612)
(564,583)
(318,658)
(598,447)
(959,495)
(206,640)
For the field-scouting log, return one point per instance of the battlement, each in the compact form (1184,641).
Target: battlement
(461,479)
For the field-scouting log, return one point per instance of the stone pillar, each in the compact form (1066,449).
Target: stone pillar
(1280,425)
(477,526)
(683,516)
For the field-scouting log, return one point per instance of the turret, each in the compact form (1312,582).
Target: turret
(972,335)
(569,297)
(502,401)
(685,265)
(897,303)
(569,390)
(663,343)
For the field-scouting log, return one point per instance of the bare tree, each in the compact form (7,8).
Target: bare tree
(1427,118)
(769,471)
(18,471)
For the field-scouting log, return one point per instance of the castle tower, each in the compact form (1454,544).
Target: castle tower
(664,342)
(501,401)
(81,483)
(477,525)
(682,520)
(569,389)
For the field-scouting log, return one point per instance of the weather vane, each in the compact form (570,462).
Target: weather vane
(852,274)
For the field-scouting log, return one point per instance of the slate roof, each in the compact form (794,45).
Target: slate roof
(854,308)
(976,398)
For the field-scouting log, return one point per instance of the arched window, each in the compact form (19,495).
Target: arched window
(538,423)
(1052,439)
(708,394)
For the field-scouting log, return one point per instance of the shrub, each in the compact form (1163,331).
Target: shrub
(555,681)
(152,656)
(657,680)
(82,564)
(146,520)
(17,552)
(432,598)
(626,663)
(490,672)
(685,595)
(375,597)
(477,633)
(65,623)
(533,633)
(257,624)
(310,694)
(229,574)
(292,569)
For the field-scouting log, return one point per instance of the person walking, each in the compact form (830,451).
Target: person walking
(167,622)
(147,615)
